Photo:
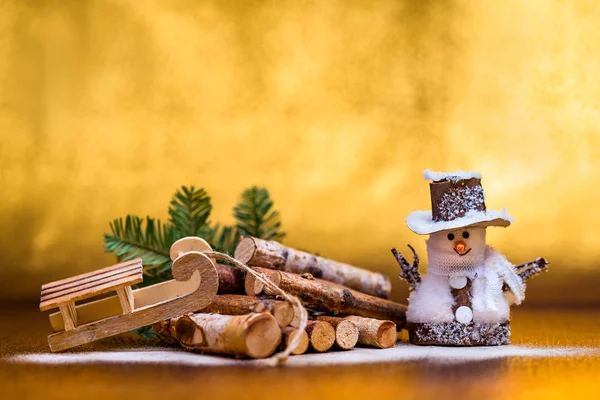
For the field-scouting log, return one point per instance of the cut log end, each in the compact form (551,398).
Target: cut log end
(263,336)
(374,332)
(346,335)
(275,277)
(296,318)
(254,287)
(387,335)
(346,331)
(288,334)
(321,335)
(245,250)
(250,335)
(283,313)
(188,333)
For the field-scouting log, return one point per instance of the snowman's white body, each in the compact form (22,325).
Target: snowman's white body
(433,303)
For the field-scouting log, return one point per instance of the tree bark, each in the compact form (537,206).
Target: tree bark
(232,304)
(269,254)
(231,280)
(252,335)
(375,332)
(325,296)
(288,333)
(321,335)
(346,331)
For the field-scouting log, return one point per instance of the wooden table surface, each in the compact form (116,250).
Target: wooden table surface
(24,331)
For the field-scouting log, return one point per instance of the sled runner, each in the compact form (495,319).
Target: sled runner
(194,287)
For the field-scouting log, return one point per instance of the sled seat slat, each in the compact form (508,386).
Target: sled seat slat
(118,278)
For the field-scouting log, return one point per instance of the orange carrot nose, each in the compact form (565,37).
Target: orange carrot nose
(460,246)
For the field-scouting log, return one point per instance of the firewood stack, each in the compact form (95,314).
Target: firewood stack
(349,306)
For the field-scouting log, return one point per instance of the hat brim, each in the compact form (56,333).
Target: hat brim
(421,223)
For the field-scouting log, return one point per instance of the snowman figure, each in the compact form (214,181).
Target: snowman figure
(465,298)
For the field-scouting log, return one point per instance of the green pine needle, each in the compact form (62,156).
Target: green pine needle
(225,238)
(255,216)
(131,239)
(189,211)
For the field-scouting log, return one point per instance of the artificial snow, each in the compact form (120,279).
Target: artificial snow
(456,333)
(431,302)
(451,176)
(421,222)
(456,202)
(489,304)
(402,352)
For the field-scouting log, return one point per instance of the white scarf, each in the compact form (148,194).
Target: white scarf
(475,263)
(496,261)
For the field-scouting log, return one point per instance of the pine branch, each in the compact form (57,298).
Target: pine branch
(150,335)
(189,211)
(255,217)
(225,238)
(130,239)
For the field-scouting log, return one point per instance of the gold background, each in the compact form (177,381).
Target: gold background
(336,107)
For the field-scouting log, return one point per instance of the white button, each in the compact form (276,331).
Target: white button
(464,315)
(458,282)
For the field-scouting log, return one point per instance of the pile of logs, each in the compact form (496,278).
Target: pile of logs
(348,306)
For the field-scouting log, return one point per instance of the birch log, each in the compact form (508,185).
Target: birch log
(252,335)
(375,332)
(346,331)
(269,254)
(232,304)
(324,296)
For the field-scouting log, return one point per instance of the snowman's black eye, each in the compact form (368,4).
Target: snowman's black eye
(450,236)
(466,234)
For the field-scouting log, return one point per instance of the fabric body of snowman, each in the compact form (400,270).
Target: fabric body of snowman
(459,261)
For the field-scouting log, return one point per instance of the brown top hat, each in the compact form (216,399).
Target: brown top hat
(457,201)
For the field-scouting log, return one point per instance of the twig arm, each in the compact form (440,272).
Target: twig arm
(530,269)
(414,270)
(409,273)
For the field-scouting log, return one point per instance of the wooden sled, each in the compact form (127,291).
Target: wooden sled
(194,287)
